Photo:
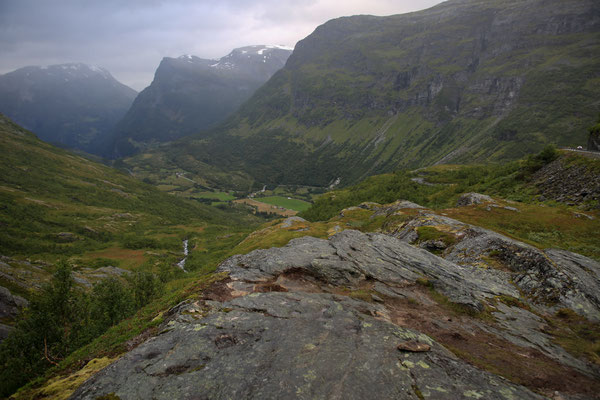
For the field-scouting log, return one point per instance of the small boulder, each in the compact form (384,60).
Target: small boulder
(433,245)
(369,205)
(468,199)
(288,222)
(414,347)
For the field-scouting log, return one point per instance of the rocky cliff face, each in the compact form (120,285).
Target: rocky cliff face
(190,94)
(378,315)
(572,179)
(10,306)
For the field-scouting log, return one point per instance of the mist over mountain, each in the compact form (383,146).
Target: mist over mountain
(190,94)
(73,105)
(465,81)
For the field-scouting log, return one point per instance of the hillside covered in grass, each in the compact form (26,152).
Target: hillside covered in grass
(56,203)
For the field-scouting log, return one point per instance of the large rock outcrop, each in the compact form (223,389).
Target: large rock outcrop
(355,317)
(292,346)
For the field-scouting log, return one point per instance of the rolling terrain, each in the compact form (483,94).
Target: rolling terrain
(433,229)
(475,297)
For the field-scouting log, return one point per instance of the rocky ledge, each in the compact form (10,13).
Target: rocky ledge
(373,316)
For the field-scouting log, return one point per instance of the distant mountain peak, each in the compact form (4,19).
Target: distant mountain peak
(71,104)
(67,69)
(261,53)
(190,94)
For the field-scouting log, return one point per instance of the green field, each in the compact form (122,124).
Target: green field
(290,204)
(220,196)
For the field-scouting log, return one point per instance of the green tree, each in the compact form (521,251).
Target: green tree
(145,286)
(53,326)
(111,301)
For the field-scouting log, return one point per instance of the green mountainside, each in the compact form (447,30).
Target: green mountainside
(465,81)
(46,191)
(56,205)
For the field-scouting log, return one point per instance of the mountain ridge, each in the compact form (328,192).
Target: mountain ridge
(463,81)
(190,94)
(74,105)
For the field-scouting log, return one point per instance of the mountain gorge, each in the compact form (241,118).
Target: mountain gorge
(73,105)
(190,94)
(464,81)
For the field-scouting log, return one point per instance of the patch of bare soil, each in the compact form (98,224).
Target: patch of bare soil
(461,335)
(268,208)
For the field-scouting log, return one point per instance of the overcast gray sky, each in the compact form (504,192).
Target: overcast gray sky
(130,37)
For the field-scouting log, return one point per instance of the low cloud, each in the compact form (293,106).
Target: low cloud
(129,38)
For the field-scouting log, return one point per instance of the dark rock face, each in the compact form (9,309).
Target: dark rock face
(574,183)
(74,105)
(5,330)
(10,304)
(351,256)
(556,278)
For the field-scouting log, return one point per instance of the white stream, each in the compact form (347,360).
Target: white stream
(181,264)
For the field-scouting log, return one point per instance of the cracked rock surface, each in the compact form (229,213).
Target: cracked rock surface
(276,336)
(292,345)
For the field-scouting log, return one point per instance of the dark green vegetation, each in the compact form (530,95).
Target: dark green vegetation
(190,94)
(441,188)
(74,105)
(62,318)
(465,81)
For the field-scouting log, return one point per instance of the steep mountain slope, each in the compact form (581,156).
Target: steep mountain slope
(465,80)
(190,94)
(73,105)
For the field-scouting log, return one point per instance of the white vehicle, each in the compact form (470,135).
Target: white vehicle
(579,147)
